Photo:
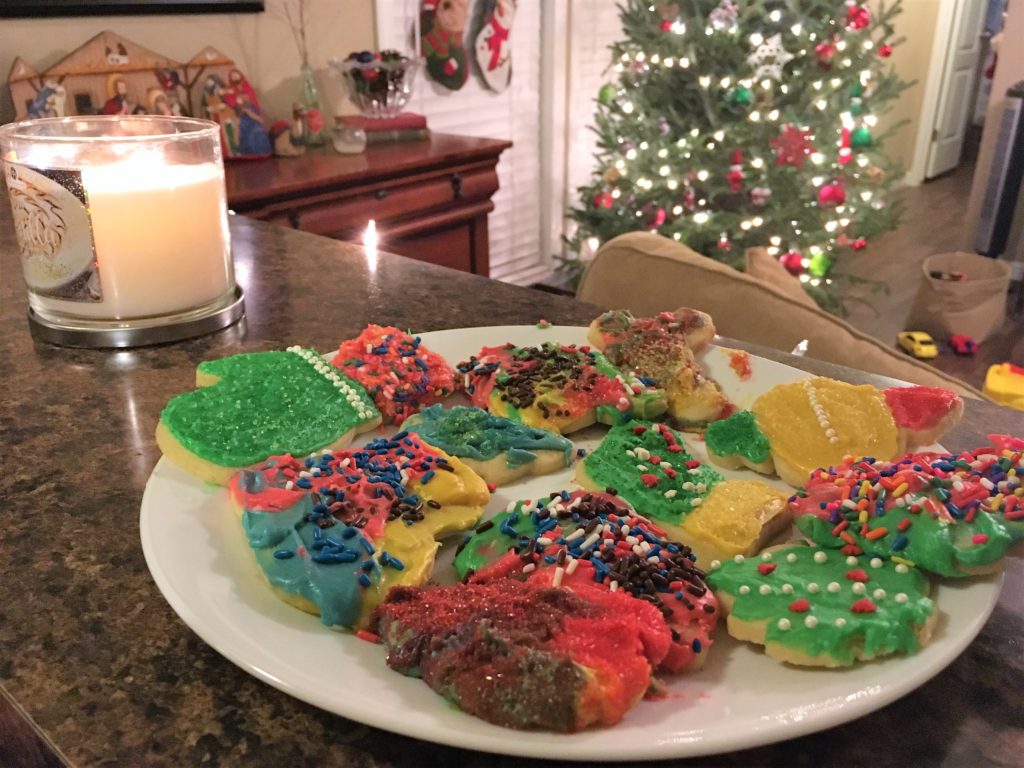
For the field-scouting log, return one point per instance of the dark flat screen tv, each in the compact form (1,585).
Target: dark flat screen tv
(30,8)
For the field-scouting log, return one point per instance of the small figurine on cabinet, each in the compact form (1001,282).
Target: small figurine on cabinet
(289,136)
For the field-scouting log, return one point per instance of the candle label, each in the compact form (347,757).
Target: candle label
(51,220)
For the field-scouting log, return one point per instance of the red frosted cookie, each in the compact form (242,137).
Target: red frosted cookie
(523,656)
(923,414)
(401,375)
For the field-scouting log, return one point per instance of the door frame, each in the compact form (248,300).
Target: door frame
(945,16)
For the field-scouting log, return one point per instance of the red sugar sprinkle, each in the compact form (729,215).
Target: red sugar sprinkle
(903,524)
(675,448)
(692,464)
(491,487)
(675,585)
(979,538)
(639,429)
(1015,515)
(370,637)
(802,605)
(863,606)
(845,536)
(655,459)
(649,480)
(851,549)
(670,473)
(857,574)
(300,551)
(842,526)
(765,568)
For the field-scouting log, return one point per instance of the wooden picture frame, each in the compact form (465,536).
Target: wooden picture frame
(38,8)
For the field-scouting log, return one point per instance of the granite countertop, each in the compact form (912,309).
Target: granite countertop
(91,652)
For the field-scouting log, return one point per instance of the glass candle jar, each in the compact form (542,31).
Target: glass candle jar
(122,227)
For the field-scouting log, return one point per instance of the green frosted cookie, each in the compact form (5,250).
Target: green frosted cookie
(251,406)
(648,466)
(738,442)
(815,607)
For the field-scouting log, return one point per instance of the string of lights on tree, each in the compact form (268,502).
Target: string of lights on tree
(738,123)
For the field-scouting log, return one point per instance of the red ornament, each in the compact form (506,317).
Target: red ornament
(759,196)
(825,52)
(859,244)
(845,153)
(792,147)
(659,218)
(831,195)
(793,262)
(724,245)
(735,176)
(885,51)
(603,200)
(858,17)
(666,25)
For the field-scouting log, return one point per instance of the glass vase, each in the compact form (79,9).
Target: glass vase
(310,100)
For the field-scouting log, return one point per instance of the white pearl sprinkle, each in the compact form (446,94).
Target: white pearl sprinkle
(766,556)
(784,624)
(876,562)
(851,560)
(739,559)
(764,589)
(901,568)
(833,586)
(810,622)
(859,588)
(813,588)
(878,594)
(744,590)
(840,622)
(901,597)
(791,557)
(716,564)
(820,557)
(787,589)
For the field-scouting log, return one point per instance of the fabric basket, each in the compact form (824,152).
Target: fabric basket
(975,306)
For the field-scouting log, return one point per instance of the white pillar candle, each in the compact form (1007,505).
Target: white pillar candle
(160,234)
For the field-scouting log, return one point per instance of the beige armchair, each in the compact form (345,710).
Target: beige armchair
(648,273)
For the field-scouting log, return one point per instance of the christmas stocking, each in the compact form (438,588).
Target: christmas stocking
(443,24)
(494,44)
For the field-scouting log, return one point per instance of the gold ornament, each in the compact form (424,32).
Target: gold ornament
(611,175)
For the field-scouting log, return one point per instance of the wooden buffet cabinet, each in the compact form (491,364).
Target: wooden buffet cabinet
(430,198)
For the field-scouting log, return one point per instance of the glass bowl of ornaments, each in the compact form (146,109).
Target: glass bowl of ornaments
(379,84)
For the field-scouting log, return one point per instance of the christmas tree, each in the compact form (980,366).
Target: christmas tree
(747,123)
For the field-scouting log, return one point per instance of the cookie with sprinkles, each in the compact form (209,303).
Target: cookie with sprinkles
(923,414)
(949,514)
(814,607)
(335,531)
(661,350)
(525,657)
(648,465)
(584,539)
(396,369)
(251,406)
(558,387)
(498,449)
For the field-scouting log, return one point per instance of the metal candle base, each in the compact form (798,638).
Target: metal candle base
(138,333)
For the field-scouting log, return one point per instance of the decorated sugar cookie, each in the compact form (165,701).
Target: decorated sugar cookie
(950,514)
(662,349)
(923,414)
(558,387)
(498,449)
(521,656)
(595,539)
(738,442)
(335,531)
(648,466)
(396,369)
(818,422)
(251,406)
(815,607)
(738,517)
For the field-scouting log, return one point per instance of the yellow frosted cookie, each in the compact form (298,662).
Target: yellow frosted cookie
(738,517)
(818,422)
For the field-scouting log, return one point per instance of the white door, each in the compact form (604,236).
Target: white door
(958,75)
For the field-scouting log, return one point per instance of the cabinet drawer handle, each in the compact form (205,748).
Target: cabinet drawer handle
(380,194)
(457,185)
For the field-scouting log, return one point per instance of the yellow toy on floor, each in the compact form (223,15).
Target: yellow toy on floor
(1004,383)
